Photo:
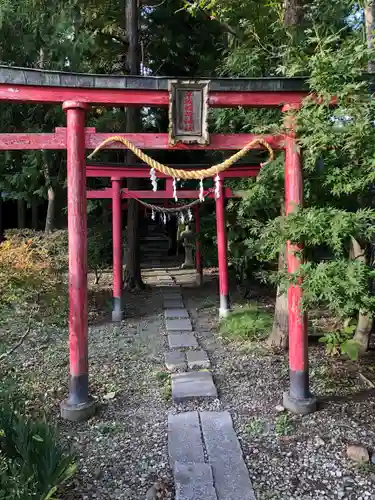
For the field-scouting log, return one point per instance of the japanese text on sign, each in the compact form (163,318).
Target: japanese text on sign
(188,111)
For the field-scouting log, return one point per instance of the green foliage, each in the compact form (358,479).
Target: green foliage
(338,156)
(99,248)
(254,427)
(341,342)
(165,384)
(340,285)
(32,462)
(284,425)
(246,323)
(315,227)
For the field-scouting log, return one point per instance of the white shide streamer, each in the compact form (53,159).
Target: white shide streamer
(154,180)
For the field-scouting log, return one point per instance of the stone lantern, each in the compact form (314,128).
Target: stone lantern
(188,237)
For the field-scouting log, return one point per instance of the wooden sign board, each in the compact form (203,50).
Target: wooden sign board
(188,110)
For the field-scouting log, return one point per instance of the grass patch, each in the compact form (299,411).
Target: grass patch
(284,425)
(246,323)
(165,383)
(110,428)
(255,427)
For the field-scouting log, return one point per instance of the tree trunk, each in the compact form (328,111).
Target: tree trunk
(370,27)
(279,334)
(365,321)
(34,214)
(21,214)
(293,13)
(133,124)
(50,217)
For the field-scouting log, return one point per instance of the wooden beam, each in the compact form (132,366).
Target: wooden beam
(100,194)
(134,97)
(148,141)
(144,172)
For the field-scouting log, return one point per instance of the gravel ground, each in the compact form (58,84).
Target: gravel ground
(122,451)
(290,458)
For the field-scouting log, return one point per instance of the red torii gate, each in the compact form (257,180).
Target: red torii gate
(76,92)
(116,194)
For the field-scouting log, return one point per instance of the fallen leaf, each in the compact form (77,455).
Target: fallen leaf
(110,395)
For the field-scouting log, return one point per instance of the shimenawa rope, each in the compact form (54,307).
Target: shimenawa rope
(187,174)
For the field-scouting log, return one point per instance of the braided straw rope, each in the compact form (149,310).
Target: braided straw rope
(187,174)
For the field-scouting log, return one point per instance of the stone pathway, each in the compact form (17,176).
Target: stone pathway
(204,452)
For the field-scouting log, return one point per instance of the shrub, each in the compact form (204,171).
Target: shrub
(53,245)
(33,267)
(29,283)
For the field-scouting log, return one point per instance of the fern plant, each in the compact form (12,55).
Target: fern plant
(33,464)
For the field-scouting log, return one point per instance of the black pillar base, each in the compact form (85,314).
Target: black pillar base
(299,399)
(224,310)
(117,312)
(299,406)
(79,405)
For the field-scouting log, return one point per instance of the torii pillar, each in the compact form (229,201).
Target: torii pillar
(222,251)
(79,405)
(117,311)
(298,399)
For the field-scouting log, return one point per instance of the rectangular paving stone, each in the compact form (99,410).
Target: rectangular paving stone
(230,473)
(174,303)
(197,359)
(175,360)
(179,325)
(184,438)
(194,482)
(175,313)
(172,296)
(192,385)
(171,292)
(184,339)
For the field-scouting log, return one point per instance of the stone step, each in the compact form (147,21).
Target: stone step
(153,253)
(185,443)
(231,477)
(155,246)
(193,385)
(153,238)
(194,482)
(175,361)
(221,474)
(179,325)
(175,313)
(178,360)
(173,303)
(197,360)
(171,293)
(182,340)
